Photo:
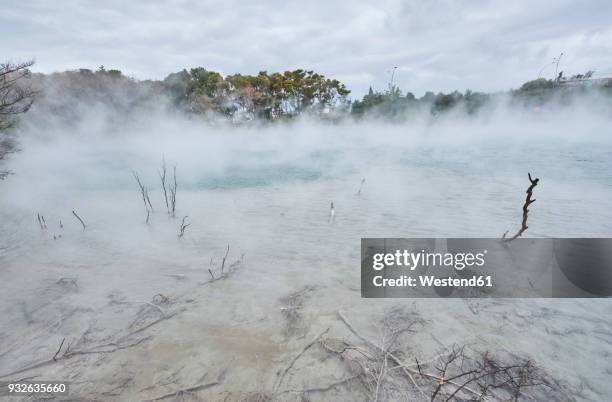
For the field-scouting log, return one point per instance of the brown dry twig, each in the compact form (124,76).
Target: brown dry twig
(528,201)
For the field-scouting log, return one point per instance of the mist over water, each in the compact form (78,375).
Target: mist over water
(266,191)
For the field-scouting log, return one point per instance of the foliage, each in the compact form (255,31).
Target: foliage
(391,104)
(264,95)
(16,97)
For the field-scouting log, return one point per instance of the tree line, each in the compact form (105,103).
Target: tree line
(242,98)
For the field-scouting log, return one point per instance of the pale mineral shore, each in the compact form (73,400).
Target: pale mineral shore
(142,318)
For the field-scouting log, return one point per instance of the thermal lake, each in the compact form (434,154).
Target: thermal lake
(266,192)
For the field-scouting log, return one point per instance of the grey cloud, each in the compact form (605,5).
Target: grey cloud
(437,45)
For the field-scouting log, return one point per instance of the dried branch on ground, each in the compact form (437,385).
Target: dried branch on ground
(455,374)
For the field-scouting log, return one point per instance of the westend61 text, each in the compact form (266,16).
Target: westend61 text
(429,281)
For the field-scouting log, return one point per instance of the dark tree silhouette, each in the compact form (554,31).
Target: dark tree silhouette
(15,97)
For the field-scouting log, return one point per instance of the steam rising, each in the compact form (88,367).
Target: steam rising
(266,191)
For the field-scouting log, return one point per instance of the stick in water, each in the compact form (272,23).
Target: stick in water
(361,187)
(528,202)
(79,218)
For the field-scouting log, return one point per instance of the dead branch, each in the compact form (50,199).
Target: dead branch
(226,273)
(404,367)
(361,187)
(68,282)
(68,353)
(155,306)
(149,325)
(162,176)
(322,388)
(15,96)
(58,350)
(295,358)
(528,201)
(183,226)
(105,348)
(486,377)
(194,388)
(144,192)
(172,189)
(41,221)
(79,218)
(224,258)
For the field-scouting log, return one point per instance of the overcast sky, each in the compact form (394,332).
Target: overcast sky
(436,45)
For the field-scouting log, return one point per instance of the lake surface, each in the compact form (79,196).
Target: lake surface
(267,193)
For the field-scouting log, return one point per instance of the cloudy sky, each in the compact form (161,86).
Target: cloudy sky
(437,45)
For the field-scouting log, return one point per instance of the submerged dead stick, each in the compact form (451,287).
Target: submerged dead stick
(181,392)
(162,176)
(102,349)
(224,258)
(41,221)
(79,218)
(361,186)
(183,226)
(58,350)
(292,362)
(528,201)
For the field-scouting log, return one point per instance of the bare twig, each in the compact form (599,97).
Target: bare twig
(143,192)
(58,350)
(173,186)
(224,258)
(68,281)
(361,187)
(407,371)
(528,201)
(79,218)
(106,348)
(216,275)
(194,388)
(296,357)
(41,221)
(157,321)
(162,176)
(322,388)
(183,226)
